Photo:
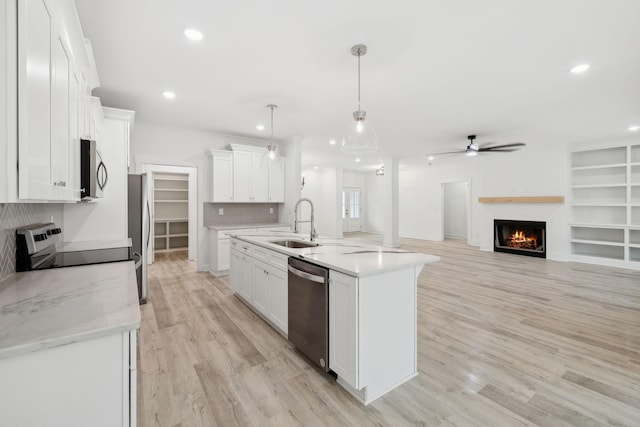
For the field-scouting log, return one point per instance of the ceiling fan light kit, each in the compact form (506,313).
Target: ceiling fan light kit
(360,137)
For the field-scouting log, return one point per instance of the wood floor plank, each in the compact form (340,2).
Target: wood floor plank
(503,341)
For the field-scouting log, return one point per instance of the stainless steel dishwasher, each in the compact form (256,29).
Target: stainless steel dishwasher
(309,310)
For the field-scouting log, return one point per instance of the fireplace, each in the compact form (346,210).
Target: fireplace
(520,237)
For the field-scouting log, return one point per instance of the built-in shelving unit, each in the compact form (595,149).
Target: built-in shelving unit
(171,222)
(605,205)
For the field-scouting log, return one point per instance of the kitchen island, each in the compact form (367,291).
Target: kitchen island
(372,303)
(68,346)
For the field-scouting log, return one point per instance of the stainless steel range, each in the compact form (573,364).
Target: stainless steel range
(36,250)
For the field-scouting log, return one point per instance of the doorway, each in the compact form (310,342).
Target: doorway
(173,200)
(351,209)
(455,210)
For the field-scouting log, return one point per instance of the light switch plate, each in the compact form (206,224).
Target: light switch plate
(221,211)
(270,210)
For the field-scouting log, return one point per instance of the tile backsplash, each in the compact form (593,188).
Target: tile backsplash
(15,215)
(240,213)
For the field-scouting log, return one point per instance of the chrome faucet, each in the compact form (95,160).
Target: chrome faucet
(313,233)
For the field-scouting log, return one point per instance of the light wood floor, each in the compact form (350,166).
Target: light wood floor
(503,340)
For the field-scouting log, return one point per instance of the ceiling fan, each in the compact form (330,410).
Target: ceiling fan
(473,149)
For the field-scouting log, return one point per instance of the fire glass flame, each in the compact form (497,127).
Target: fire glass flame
(520,240)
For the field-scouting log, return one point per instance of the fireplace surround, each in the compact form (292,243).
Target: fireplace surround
(520,237)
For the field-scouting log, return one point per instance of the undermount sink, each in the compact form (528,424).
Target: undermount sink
(296,244)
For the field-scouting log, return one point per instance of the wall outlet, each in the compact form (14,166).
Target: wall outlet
(270,210)
(221,211)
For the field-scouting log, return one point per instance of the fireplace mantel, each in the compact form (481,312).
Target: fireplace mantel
(524,199)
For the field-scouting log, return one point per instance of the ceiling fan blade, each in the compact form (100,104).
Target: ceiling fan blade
(494,147)
(448,152)
(497,150)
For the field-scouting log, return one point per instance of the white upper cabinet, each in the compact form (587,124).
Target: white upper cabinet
(43,63)
(276,181)
(221,175)
(35,43)
(242,176)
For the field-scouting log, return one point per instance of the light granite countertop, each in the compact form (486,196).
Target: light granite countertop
(346,256)
(49,308)
(244,226)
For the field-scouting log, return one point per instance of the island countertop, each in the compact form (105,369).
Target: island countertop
(49,308)
(346,256)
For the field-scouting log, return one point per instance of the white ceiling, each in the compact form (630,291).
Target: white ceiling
(435,72)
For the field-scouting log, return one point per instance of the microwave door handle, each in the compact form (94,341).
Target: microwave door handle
(102,183)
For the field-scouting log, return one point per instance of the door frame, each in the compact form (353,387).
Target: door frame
(351,189)
(468,204)
(192,206)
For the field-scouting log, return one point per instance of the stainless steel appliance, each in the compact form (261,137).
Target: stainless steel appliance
(309,310)
(36,250)
(139,227)
(93,171)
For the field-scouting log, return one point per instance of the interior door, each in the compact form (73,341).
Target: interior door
(351,209)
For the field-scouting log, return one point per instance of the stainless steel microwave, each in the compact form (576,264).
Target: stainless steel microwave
(93,171)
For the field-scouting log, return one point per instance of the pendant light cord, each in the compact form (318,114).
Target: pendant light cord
(359,79)
(271,123)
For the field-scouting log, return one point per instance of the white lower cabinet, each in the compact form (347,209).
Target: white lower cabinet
(89,382)
(261,288)
(372,331)
(343,327)
(259,276)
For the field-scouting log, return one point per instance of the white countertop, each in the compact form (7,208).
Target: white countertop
(94,244)
(346,256)
(48,308)
(243,226)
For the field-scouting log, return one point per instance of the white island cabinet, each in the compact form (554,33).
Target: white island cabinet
(372,304)
(68,347)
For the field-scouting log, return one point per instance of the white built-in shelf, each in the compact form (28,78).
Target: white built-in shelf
(586,205)
(171,194)
(578,187)
(614,165)
(605,202)
(597,242)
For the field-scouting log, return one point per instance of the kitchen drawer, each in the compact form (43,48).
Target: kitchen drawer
(242,247)
(260,253)
(278,260)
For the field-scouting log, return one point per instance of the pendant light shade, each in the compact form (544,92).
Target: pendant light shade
(359,137)
(272,154)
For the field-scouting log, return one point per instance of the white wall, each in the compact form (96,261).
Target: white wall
(455,210)
(529,172)
(324,188)
(165,145)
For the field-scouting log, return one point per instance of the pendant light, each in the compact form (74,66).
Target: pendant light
(271,154)
(360,137)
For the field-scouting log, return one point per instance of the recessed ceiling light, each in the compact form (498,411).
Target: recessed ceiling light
(634,128)
(168,94)
(193,34)
(579,69)
(315,167)
(332,142)
(357,159)
(260,127)
(430,158)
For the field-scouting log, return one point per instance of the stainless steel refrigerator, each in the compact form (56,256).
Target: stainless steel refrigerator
(139,228)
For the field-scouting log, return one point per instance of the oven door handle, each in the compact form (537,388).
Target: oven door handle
(305,275)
